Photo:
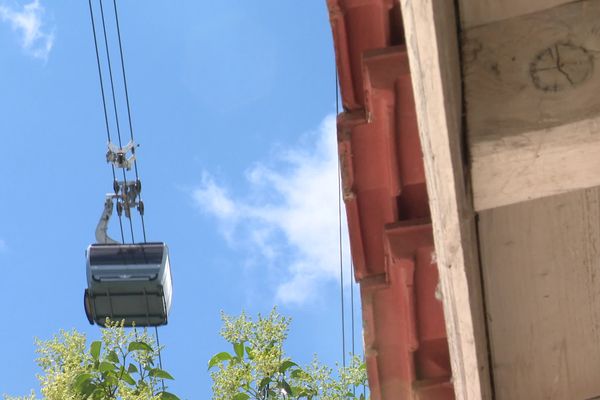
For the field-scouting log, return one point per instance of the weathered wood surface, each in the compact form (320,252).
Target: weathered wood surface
(531,91)
(431,36)
(541,267)
(480,12)
(512,169)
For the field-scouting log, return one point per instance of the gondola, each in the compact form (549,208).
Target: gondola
(128,282)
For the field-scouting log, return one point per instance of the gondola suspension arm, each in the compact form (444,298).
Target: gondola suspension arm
(102,227)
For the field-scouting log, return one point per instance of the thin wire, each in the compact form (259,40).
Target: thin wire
(114,97)
(124,80)
(352,300)
(104,102)
(118,126)
(365,391)
(137,177)
(337,101)
(352,308)
(341,275)
(159,356)
(137,340)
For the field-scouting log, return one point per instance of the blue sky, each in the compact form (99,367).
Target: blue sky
(233,107)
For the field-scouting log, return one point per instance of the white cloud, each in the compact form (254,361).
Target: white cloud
(2,246)
(215,199)
(27,21)
(289,218)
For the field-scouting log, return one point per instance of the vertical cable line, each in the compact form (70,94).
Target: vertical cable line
(352,311)
(137,177)
(112,86)
(339,176)
(106,120)
(104,103)
(352,300)
(162,381)
(341,270)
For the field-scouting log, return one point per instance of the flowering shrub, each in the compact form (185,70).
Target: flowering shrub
(259,369)
(121,366)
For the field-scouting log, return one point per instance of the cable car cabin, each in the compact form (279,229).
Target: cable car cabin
(130,282)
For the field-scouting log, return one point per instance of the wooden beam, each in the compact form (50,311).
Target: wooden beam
(536,164)
(540,260)
(532,104)
(480,12)
(533,119)
(431,36)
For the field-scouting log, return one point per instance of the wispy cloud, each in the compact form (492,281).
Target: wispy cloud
(289,217)
(3,246)
(28,22)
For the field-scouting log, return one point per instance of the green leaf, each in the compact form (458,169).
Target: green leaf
(286,365)
(82,380)
(297,373)
(263,383)
(89,388)
(239,350)
(167,396)
(250,353)
(110,378)
(241,396)
(106,366)
(127,378)
(112,356)
(219,358)
(159,373)
(132,369)
(95,349)
(298,391)
(99,393)
(285,386)
(135,346)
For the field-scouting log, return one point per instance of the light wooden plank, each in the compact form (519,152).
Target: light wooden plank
(531,89)
(431,33)
(480,12)
(538,164)
(541,267)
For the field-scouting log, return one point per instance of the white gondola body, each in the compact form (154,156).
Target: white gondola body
(128,282)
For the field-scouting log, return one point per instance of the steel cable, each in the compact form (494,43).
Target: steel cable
(122,59)
(339,174)
(104,102)
(114,98)
(160,365)
(352,300)
(137,177)
(352,311)
(106,119)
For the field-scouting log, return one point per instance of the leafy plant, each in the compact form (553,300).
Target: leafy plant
(257,367)
(121,366)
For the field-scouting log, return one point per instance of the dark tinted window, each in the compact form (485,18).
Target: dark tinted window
(126,254)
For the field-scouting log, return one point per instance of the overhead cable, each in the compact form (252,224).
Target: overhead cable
(104,103)
(114,98)
(137,177)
